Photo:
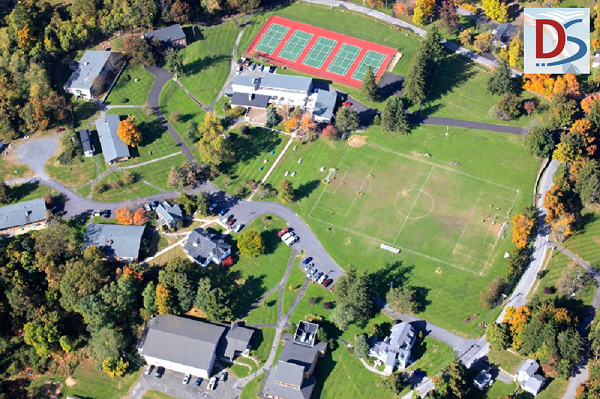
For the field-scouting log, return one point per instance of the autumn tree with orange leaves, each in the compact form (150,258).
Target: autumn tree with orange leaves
(129,132)
(136,217)
(290,124)
(517,321)
(588,132)
(522,229)
(548,86)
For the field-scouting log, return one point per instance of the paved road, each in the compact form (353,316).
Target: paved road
(36,153)
(432,120)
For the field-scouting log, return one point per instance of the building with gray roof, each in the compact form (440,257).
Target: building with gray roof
(113,148)
(118,242)
(298,84)
(250,100)
(394,351)
(236,341)
(169,214)
(93,74)
(245,84)
(527,377)
(86,144)
(324,106)
(180,344)
(22,217)
(203,247)
(171,35)
(292,377)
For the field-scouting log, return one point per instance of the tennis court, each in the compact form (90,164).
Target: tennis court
(319,52)
(372,59)
(271,39)
(344,59)
(296,45)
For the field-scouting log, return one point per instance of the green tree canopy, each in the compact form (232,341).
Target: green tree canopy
(361,346)
(250,243)
(588,182)
(346,120)
(562,110)
(286,192)
(501,80)
(368,87)
(214,148)
(539,142)
(393,117)
(402,300)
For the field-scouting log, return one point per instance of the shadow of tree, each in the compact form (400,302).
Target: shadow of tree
(249,148)
(324,369)
(270,240)
(198,65)
(17,193)
(306,189)
(394,273)
(193,34)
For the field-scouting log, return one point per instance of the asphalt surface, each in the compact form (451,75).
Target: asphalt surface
(36,153)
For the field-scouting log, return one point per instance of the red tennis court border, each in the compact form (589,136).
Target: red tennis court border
(322,72)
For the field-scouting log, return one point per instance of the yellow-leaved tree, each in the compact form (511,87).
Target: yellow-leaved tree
(129,132)
(522,229)
(496,10)
(214,147)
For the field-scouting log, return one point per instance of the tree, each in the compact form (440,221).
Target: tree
(181,12)
(129,132)
(342,316)
(423,10)
(529,107)
(164,299)
(4,194)
(290,124)
(137,217)
(539,142)
(149,297)
(415,84)
(395,382)
(498,336)
(250,243)
(174,61)
(368,88)
(492,295)
(42,333)
(402,300)
(517,320)
(483,41)
(515,52)
(562,110)
(374,330)
(501,81)
(361,346)
(286,192)
(510,104)
(448,16)
(214,148)
(106,343)
(66,343)
(307,127)
(346,120)
(588,182)
(566,153)
(192,132)
(272,118)
(522,229)
(496,10)
(586,132)
(140,51)
(115,368)
(393,117)
(330,132)
(83,276)
(180,276)
(452,381)
(466,37)
(355,292)
(573,280)
(213,301)
(182,176)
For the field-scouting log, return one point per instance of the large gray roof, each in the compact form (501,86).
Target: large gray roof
(112,145)
(250,100)
(285,82)
(180,340)
(289,373)
(325,104)
(245,80)
(200,244)
(301,355)
(168,34)
(90,66)
(114,239)
(236,339)
(169,212)
(22,213)
(529,367)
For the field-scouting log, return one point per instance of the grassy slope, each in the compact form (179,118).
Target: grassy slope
(124,192)
(586,241)
(157,172)
(507,361)
(251,389)
(207,60)
(453,296)
(261,346)
(430,355)
(296,279)
(155,395)
(129,92)
(261,315)
(72,175)
(28,191)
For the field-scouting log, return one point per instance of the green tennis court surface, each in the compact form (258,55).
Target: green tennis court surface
(372,59)
(344,59)
(271,39)
(319,52)
(294,47)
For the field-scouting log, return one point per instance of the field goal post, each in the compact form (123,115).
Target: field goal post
(330,175)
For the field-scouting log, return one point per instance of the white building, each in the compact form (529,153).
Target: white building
(94,74)
(203,247)
(527,377)
(394,351)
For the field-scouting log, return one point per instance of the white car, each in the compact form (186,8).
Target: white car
(289,238)
(238,228)
(323,278)
(238,70)
(311,272)
(211,384)
(187,378)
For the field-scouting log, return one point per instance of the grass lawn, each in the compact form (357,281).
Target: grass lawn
(506,360)
(127,91)
(84,191)
(72,175)
(207,60)
(459,91)
(96,384)
(27,191)
(431,355)
(262,273)
(155,395)
(11,168)
(84,113)
(449,268)
(499,389)
(296,279)
(239,371)
(265,315)
(156,140)
(251,389)
(250,154)
(173,98)
(158,172)
(261,346)
(555,389)
(124,192)
(166,257)
(585,242)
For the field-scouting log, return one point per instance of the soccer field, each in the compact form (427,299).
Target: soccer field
(414,205)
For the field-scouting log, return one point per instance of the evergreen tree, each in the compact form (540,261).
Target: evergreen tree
(393,117)
(539,142)
(369,87)
(501,81)
(416,79)
(272,118)
(4,194)
(174,61)
(361,346)
(346,120)
(562,110)
(588,182)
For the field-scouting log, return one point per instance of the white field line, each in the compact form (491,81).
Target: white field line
(414,203)
(361,187)
(264,179)
(468,221)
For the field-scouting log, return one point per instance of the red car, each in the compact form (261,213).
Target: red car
(60,129)
(230,222)
(347,104)
(282,232)
(327,282)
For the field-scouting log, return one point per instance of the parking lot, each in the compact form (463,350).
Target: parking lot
(171,383)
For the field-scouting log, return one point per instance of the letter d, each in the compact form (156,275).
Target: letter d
(539,38)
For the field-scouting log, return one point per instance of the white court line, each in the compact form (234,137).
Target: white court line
(413,205)
(468,220)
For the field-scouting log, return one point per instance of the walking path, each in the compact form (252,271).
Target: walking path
(264,179)
(190,95)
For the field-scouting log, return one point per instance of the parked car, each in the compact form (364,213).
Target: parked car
(211,384)
(238,228)
(230,222)
(187,378)
(327,282)
(222,212)
(261,67)
(147,207)
(272,69)
(306,261)
(159,372)
(149,369)
(106,214)
(212,207)
(309,266)
(252,67)
(60,129)
(317,276)
(289,238)
(238,70)
(198,381)
(311,272)
(322,279)
(247,62)
(283,232)
(347,104)
(223,376)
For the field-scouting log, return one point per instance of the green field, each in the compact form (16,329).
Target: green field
(84,113)
(207,60)
(430,356)
(261,346)
(250,154)
(448,281)
(156,140)
(28,191)
(72,175)
(265,315)
(157,173)
(155,395)
(127,91)
(585,242)
(124,192)
(251,389)
(296,280)
(506,360)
